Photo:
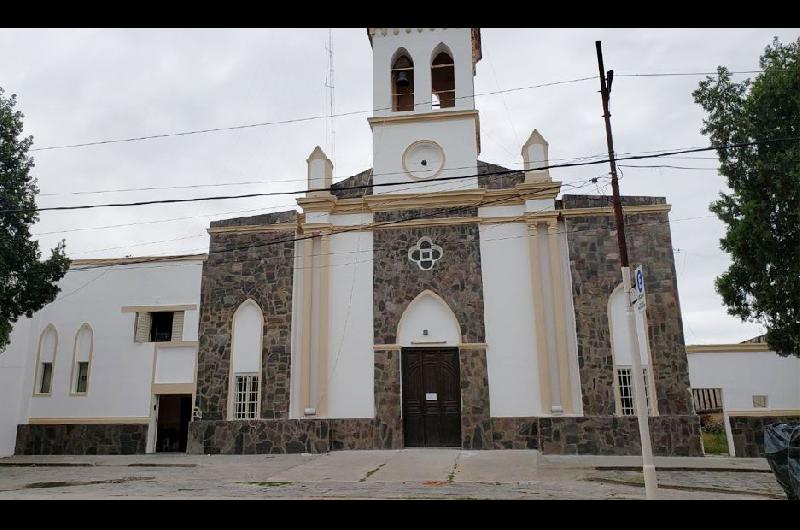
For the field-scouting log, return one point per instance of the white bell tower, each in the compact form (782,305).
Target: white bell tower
(424,122)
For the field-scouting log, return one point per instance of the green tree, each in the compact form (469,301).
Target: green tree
(762,210)
(27,282)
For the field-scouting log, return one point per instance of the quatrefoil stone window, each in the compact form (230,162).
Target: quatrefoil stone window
(425,253)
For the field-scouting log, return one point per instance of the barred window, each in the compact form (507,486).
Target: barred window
(246,393)
(625,383)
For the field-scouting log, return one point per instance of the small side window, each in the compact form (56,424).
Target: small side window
(47,378)
(760,401)
(161,326)
(83,378)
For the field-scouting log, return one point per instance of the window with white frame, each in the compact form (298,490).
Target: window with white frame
(245,402)
(625,385)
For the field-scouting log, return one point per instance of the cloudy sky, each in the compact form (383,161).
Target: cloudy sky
(83,85)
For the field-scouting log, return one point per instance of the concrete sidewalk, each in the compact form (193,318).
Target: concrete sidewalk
(406,473)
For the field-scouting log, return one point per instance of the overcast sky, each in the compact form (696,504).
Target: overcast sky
(84,85)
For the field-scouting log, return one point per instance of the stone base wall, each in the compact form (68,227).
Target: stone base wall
(246,437)
(595,435)
(84,439)
(515,433)
(352,433)
(748,433)
(476,424)
(619,435)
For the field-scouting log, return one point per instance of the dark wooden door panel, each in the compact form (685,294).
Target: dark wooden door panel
(431,397)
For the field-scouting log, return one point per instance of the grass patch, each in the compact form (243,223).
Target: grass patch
(371,472)
(715,443)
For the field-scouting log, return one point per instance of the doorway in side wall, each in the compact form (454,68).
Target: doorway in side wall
(172,425)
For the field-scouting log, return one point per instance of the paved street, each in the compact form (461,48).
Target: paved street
(399,474)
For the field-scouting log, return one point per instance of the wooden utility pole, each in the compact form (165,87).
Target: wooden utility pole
(640,399)
(605,91)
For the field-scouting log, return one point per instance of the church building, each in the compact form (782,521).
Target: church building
(437,300)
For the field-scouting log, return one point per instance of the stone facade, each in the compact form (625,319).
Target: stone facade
(388,421)
(515,433)
(619,435)
(594,265)
(456,277)
(245,437)
(240,266)
(476,425)
(352,433)
(87,439)
(748,433)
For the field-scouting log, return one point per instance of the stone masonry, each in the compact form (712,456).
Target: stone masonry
(86,439)
(257,265)
(244,437)
(476,425)
(456,277)
(748,433)
(594,265)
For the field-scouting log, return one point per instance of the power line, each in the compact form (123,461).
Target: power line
(396,183)
(672,167)
(352,113)
(285,122)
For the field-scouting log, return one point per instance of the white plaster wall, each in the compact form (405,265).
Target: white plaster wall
(350,331)
(457,137)
(175,365)
(14,393)
(744,374)
(511,354)
(420,46)
(569,320)
(297,299)
(121,370)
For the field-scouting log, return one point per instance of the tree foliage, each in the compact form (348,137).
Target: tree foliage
(762,209)
(27,282)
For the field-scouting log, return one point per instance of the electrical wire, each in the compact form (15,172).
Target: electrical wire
(395,183)
(356,112)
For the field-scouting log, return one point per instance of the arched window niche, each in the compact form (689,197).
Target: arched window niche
(623,374)
(402,81)
(428,320)
(245,373)
(45,361)
(443,78)
(81,360)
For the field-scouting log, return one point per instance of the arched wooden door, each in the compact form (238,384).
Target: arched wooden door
(431,397)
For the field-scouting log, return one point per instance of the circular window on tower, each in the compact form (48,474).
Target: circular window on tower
(423,159)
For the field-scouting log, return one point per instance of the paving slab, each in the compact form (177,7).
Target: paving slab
(497,466)
(342,466)
(399,474)
(664,462)
(418,465)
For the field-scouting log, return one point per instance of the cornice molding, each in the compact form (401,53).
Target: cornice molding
(728,348)
(245,229)
(136,260)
